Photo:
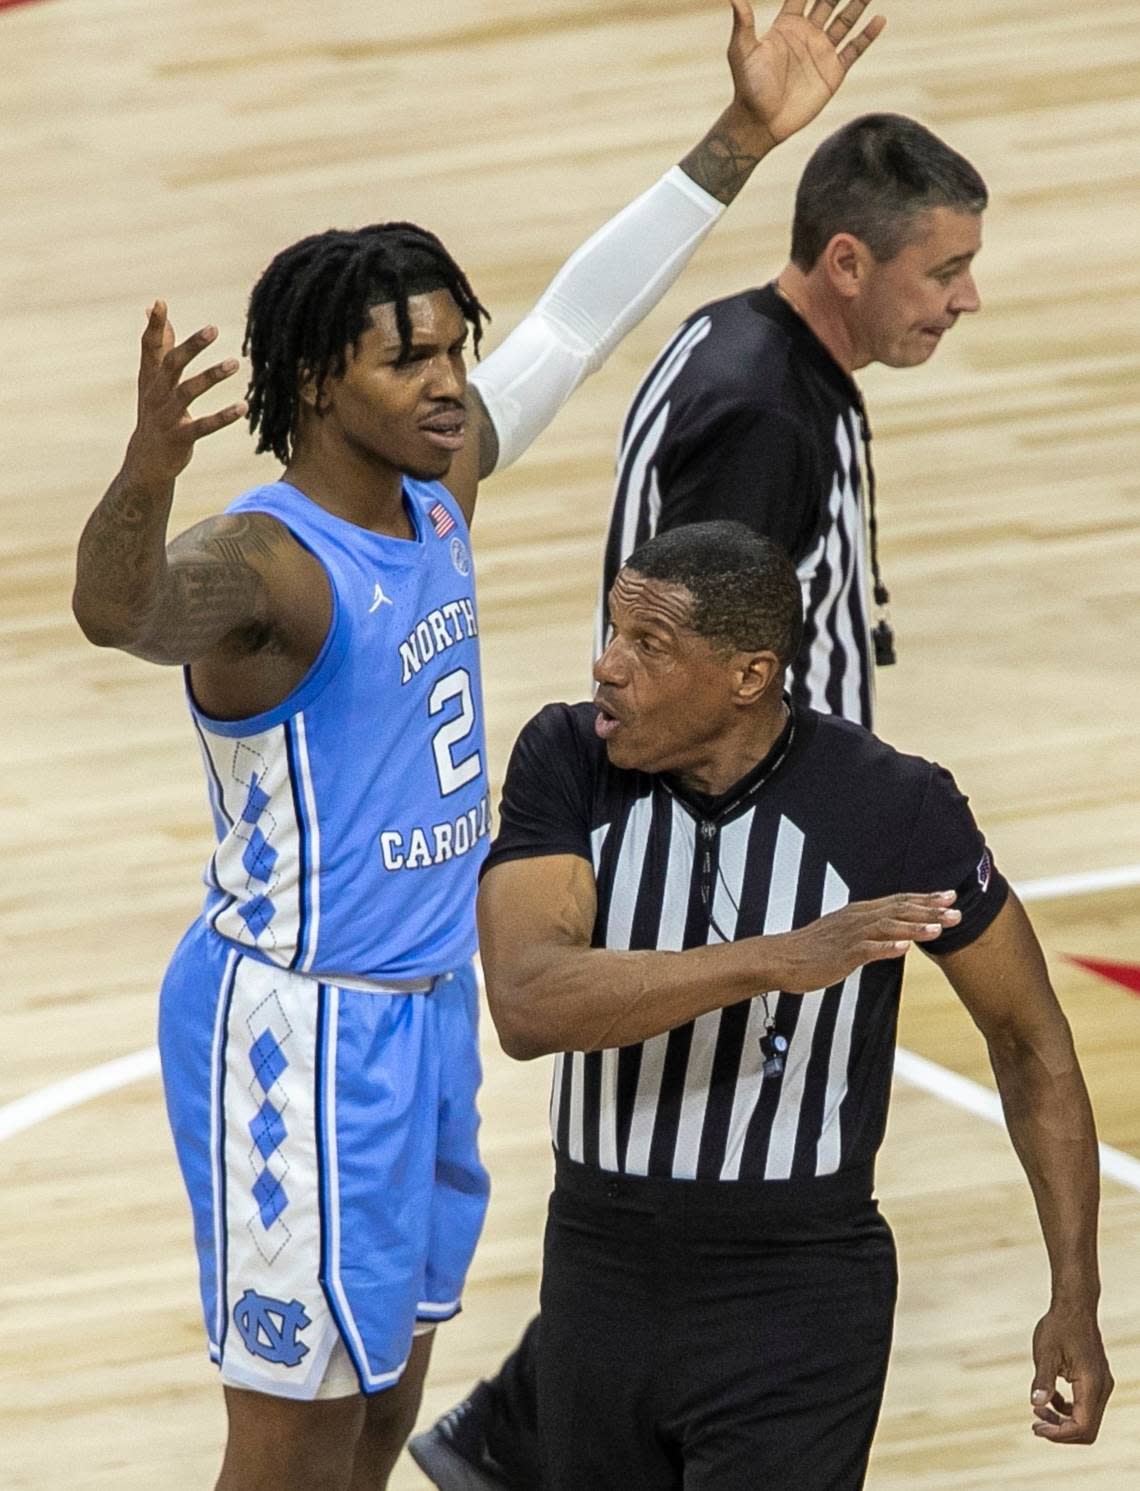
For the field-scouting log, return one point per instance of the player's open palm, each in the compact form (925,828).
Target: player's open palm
(785,77)
(827,950)
(165,431)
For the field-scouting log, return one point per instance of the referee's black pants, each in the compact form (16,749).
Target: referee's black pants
(712,1336)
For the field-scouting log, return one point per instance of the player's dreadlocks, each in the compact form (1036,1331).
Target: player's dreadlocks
(312,304)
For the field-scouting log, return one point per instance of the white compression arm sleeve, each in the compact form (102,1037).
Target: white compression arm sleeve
(599,295)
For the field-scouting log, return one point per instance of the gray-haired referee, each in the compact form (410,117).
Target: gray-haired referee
(700,895)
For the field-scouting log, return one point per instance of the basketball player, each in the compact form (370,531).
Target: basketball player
(317,1023)
(752,413)
(718,1284)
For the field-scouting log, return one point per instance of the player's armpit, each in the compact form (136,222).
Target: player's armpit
(488,442)
(478,458)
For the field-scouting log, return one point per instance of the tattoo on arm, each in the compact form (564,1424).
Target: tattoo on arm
(720,164)
(121,558)
(215,585)
(174,607)
(244,537)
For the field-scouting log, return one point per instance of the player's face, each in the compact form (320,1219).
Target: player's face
(409,415)
(664,696)
(910,302)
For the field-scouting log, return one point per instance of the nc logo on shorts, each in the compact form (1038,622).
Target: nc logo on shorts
(269,1328)
(459,556)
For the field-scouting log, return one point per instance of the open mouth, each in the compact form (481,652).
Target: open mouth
(606,724)
(446,432)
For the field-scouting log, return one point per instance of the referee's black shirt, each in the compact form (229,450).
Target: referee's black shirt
(747,415)
(833,815)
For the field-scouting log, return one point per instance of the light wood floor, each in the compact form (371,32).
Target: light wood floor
(169,147)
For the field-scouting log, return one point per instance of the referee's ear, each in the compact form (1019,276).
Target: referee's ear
(847,263)
(756,676)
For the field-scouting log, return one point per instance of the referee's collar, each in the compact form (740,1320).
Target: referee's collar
(770,303)
(719,808)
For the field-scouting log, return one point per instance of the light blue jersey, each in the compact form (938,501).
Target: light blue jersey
(353,818)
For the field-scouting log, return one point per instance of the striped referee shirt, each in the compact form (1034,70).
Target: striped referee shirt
(746,415)
(832,815)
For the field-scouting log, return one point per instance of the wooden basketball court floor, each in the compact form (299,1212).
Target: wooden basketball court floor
(158,148)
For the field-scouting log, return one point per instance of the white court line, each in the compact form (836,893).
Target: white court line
(983,1102)
(93,1083)
(1084,882)
(27,1111)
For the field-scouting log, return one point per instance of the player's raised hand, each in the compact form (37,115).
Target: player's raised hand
(828,949)
(785,77)
(165,432)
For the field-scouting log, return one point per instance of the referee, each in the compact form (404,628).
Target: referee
(752,413)
(699,896)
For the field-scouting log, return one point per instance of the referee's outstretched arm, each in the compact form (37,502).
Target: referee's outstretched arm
(1002,980)
(549,990)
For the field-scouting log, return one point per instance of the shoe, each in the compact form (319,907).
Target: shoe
(453,1453)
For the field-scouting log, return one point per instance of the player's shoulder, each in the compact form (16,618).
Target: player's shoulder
(270,497)
(254,527)
(279,510)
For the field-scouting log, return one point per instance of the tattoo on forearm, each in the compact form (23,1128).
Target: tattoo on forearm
(720,165)
(121,549)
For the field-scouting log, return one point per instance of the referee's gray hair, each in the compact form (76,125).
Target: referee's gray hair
(874,179)
(746,594)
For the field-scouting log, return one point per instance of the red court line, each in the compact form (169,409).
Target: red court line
(8,4)
(1127,975)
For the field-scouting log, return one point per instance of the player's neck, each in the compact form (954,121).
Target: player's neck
(815,304)
(352,487)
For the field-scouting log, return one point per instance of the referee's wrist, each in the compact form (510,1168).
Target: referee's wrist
(771,968)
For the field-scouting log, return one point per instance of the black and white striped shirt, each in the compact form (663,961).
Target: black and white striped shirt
(832,815)
(746,415)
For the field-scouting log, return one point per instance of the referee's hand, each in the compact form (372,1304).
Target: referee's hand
(826,951)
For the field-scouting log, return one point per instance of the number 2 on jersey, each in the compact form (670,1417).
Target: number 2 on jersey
(454,774)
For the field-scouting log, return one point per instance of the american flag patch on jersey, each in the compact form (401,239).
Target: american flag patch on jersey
(441,520)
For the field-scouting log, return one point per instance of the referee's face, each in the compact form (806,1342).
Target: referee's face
(910,302)
(665,696)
